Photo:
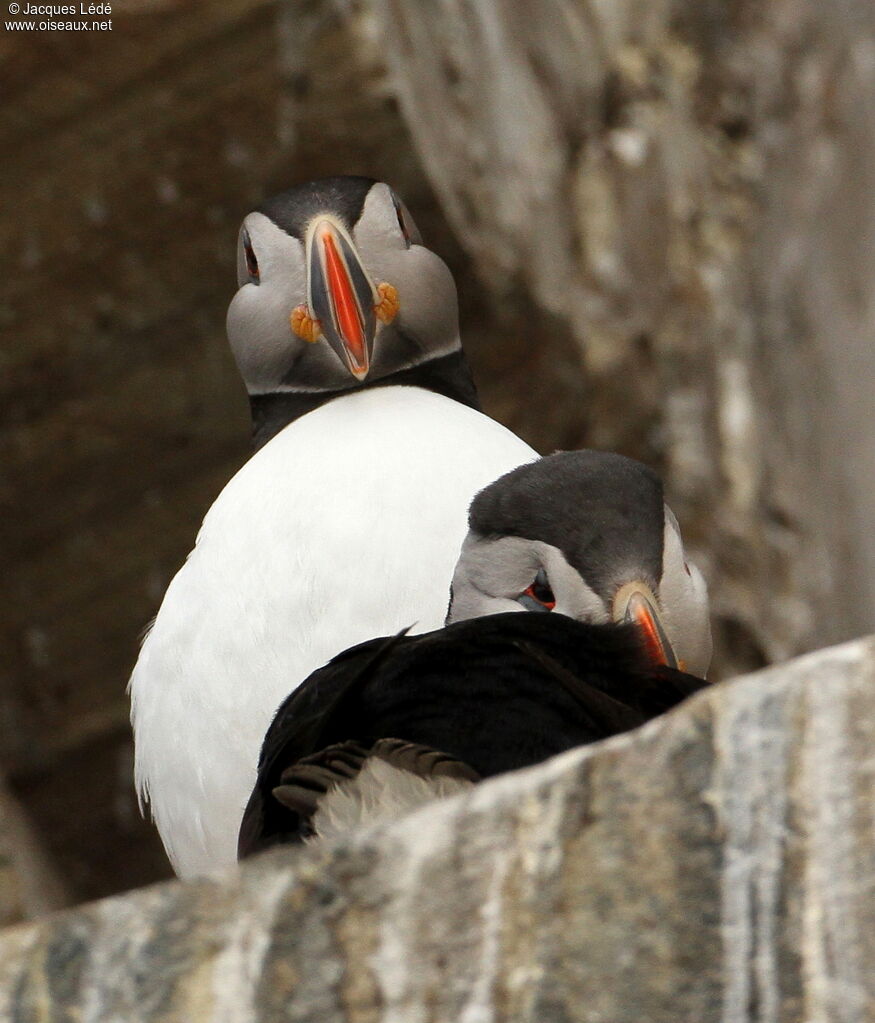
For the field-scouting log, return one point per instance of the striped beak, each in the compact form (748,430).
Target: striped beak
(341,295)
(635,604)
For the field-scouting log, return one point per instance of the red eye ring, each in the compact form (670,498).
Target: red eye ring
(538,596)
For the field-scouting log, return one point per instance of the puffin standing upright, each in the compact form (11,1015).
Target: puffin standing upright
(347,521)
(582,537)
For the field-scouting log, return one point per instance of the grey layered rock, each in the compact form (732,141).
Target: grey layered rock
(717,865)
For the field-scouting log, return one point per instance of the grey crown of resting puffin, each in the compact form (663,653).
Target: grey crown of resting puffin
(346,522)
(623,634)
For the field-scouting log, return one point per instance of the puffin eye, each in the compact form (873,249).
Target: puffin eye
(405,222)
(538,596)
(251,261)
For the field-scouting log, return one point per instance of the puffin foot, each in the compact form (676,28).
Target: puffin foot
(304,325)
(305,782)
(387,308)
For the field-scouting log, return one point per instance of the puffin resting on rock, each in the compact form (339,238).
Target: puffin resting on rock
(616,633)
(346,522)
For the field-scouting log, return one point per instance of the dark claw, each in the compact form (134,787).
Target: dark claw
(422,760)
(311,776)
(300,800)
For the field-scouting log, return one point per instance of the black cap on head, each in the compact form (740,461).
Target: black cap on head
(294,209)
(603,511)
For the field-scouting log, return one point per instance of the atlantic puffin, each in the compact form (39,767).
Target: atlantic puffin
(346,522)
(617,632)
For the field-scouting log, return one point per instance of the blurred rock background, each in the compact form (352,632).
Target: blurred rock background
(661,217)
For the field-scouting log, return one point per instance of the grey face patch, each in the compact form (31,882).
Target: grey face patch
(492,573)
(684,599)
(604,513)
(342,196)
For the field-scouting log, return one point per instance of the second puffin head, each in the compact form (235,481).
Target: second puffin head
(586,534)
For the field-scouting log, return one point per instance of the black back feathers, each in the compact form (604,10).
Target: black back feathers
(495,694)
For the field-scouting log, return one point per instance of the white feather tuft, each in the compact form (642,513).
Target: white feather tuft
(379,792)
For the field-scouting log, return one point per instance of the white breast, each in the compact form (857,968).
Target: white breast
(346,526)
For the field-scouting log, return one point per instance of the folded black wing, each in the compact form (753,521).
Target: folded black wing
(495,693)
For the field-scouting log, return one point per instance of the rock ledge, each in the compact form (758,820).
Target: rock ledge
(715,865)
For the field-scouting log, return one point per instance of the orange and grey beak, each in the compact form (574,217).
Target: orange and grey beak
(341,295)
(635,604)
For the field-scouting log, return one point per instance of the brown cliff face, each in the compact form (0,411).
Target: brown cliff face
(661,217)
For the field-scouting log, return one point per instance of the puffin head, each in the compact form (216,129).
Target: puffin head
(585,534)
(335,289)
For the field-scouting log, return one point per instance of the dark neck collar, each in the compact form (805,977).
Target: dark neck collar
(448,375)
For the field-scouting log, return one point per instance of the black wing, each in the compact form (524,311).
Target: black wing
(495,693)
